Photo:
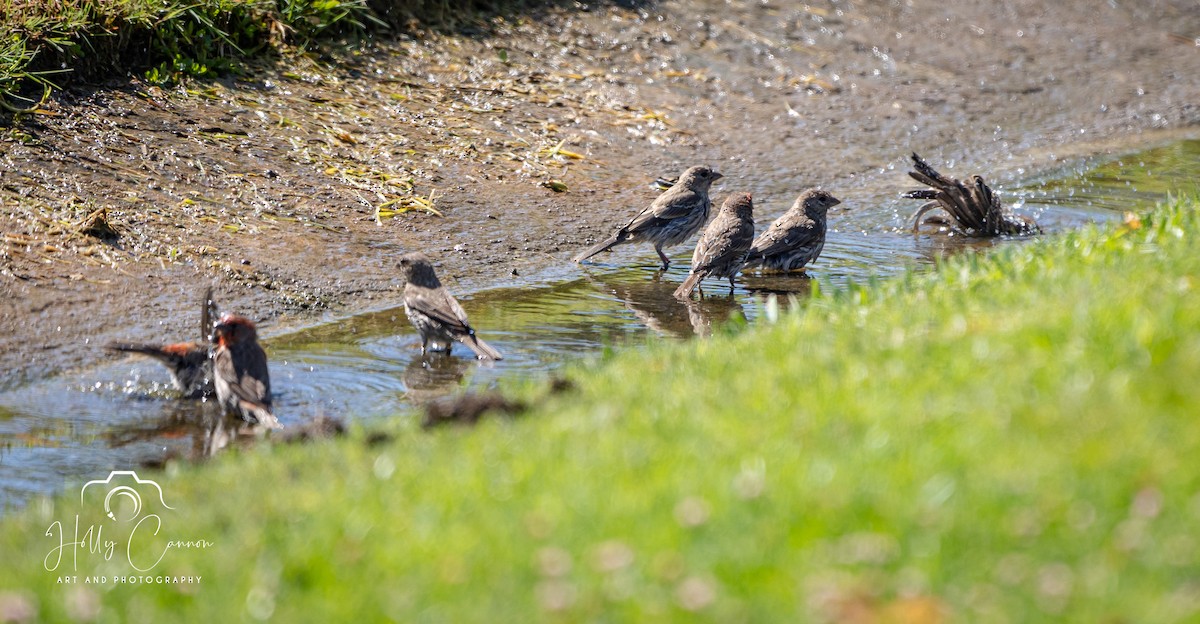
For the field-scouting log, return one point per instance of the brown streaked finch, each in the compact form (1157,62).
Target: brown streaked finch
(435,312)
(724,245)
(671,218)
(796,238)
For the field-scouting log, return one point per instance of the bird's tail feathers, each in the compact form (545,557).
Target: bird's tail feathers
(482,349)
(154,351)
(685,289)
(612,241)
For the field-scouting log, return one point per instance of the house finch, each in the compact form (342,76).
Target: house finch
(671,219)
(190,363)
(240,373)
(434,312)
(974,209)
(796,238)
(724,245)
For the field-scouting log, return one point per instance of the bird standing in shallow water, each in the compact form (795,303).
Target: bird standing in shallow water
(796,238)
(240,372)
(435,312)
(723,247)
(671,219)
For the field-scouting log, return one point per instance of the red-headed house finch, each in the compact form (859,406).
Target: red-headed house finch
(794,239)
(240,373)
(435,312)
(671,219)
(190,363)
(973,208)
(724,244)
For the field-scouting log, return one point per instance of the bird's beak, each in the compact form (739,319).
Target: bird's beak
(836,201)
(717,176)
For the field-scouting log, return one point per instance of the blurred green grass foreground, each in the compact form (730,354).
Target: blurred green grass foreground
(1012,438)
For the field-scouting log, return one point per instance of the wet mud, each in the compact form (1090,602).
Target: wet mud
(293,189)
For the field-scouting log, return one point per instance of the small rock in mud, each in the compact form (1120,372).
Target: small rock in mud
(96,225)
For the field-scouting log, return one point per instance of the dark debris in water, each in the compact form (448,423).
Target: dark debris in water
(378,438)
(160,462)
(561,385)
(320,428)
(469,409)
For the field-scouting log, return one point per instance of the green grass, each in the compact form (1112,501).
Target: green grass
(1013,438)
(166,40)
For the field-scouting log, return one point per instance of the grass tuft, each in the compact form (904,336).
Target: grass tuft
(169,40)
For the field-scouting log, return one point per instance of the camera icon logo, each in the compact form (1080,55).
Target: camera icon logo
(123,491)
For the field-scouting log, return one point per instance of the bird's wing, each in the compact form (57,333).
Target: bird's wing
(441,306)
(779,239)
(743,238)
(669,206)
(250,382)
(723,248)
(644,219)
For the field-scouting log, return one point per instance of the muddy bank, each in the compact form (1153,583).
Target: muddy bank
(280,187)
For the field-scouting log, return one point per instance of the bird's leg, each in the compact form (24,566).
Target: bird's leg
(424,345)
(731,284)
(665,260)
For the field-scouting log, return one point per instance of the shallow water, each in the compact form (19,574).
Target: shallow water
(124,413)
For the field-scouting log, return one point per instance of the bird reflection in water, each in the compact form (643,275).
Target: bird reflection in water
(655,306)
(192,430)
(433,375)
(787,288)
(934,249)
